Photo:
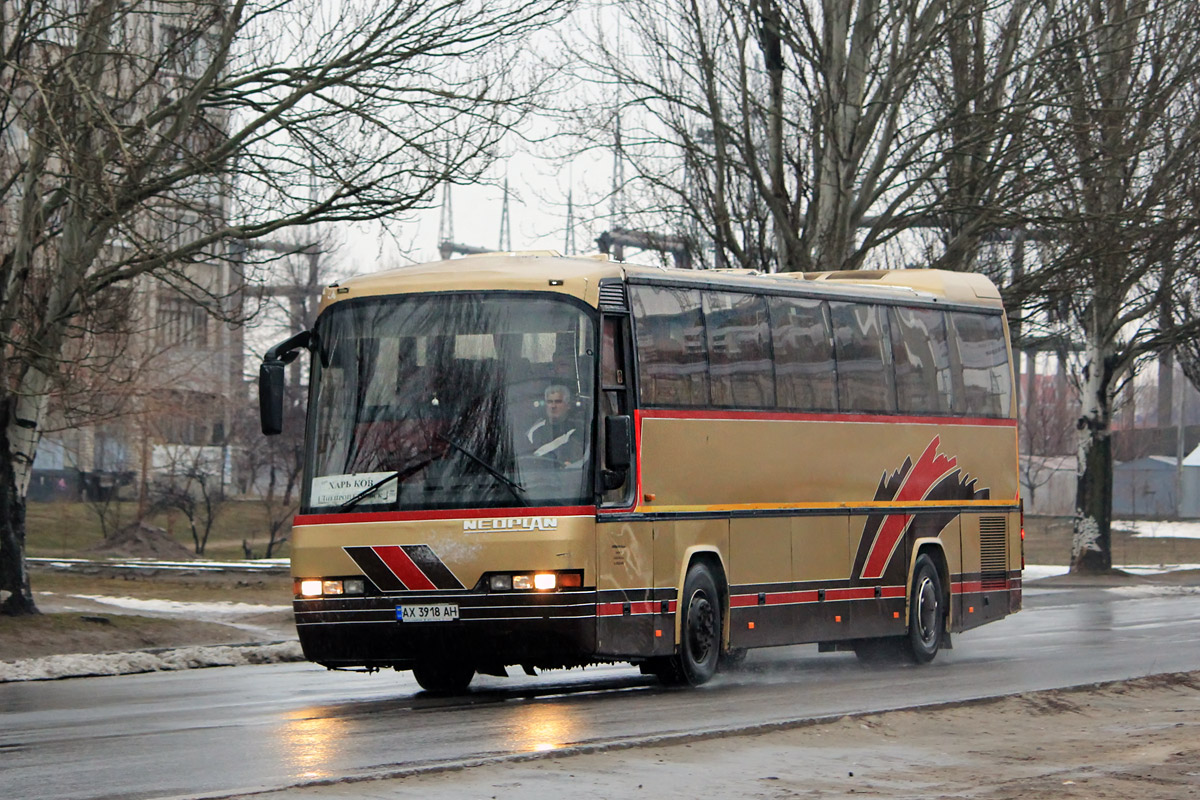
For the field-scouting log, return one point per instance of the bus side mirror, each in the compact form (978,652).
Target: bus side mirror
(271,380)
(618,441)
(270,397)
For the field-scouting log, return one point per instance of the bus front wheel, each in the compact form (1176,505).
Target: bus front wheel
(443,677)
(699,632)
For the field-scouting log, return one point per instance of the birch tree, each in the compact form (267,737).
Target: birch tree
(147,140)
(1120,216)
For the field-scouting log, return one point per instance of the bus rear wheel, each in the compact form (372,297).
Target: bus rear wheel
(926,612)
(699,632)
(926,623)
(443,677)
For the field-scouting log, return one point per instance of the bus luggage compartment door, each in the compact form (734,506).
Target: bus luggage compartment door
(632,618)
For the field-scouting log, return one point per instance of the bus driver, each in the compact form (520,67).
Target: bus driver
(559,436)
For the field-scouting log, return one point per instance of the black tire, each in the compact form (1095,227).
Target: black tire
(443,677)
(926,612)
(700,632)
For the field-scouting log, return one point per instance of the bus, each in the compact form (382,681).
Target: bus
(535,461)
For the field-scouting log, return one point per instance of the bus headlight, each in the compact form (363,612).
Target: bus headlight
(317,587)
(535,581)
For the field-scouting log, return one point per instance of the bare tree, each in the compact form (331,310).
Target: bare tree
(1120,213)
(147,140)
(192,489)
(805,136)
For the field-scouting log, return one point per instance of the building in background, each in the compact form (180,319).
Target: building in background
(151,383)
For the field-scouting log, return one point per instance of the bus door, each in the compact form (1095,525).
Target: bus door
(631,616)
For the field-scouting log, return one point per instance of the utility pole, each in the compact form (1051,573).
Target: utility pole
(505,222)
(446,244)
(616,209)
(569,240)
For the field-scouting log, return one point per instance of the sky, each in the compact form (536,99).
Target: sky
(538,190)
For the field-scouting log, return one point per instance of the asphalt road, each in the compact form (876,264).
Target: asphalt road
(223,731)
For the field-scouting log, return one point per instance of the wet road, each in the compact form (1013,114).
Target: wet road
(219,731)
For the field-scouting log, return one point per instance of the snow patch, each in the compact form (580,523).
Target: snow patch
(1033,572)
(1087,537)
(1143,569)
(220,608)
(88,665)
(1153,591)
(1156,529)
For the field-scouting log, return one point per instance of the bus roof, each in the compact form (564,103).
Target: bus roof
(580,276)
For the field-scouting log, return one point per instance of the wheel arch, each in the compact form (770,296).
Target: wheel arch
(710,556)
(936,550)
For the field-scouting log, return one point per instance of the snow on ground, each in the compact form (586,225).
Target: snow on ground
(1143,569)
(192,610)
(1164,529)
(1035,572)
(249,565)
(82,665)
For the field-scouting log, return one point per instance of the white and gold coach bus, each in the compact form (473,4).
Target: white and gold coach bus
(525,459)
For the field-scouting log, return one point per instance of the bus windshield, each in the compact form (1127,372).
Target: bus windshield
(451,401)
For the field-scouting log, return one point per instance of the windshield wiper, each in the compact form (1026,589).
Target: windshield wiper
(402,474)
(367,492)
(512,485)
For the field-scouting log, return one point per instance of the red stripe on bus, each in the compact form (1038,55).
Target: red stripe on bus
(930,467)
(813,596)
(403,568)
(785,416)
(781,598)
(443,515)
(858,593)
(640,607)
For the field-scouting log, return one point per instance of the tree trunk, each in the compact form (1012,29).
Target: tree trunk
(1091,549)
(769,39)
(14,576)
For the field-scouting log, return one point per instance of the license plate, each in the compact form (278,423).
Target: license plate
(432,612)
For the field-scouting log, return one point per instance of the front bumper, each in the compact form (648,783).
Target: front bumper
(544,630)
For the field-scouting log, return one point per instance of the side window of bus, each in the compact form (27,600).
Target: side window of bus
(864,358)
(922,355)
(981,351)
(739,350)
(614,399)
(672,355)
(805,372)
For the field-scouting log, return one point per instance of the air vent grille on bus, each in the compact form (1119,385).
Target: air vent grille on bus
(612,296)
(993,553)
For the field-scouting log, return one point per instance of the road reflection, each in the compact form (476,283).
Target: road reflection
(540,727)
(311,743)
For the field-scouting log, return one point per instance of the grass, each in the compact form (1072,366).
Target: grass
(69,530)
